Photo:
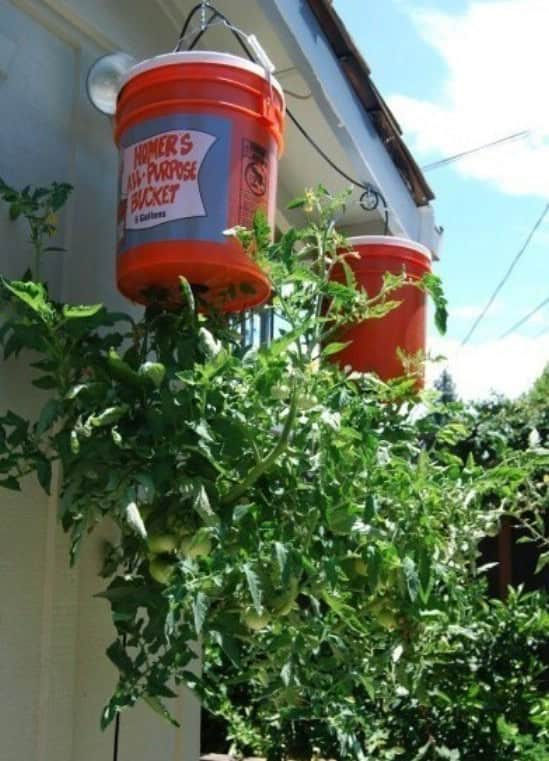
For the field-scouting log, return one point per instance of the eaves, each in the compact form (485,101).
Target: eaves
(357,72)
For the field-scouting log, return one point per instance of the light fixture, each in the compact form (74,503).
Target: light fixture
(104,80)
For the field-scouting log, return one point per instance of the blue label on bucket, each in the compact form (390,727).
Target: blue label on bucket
(174,180)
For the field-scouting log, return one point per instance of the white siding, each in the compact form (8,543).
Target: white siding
(54,676)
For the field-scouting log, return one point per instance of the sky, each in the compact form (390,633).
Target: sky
(458,74)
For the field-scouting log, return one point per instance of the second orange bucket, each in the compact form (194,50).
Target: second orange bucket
(199,135)
(375,343)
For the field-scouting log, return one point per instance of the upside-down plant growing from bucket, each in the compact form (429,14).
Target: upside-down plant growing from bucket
(276,507)
(199,135)
(382,346)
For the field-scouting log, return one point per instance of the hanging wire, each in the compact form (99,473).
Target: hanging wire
(196,40)
(525,319)
(463,154)
(507,275)
(210,24)
(298,95)
(371,197)
(116,737)
(206,24)
(116,742)
(192,13)
(370,192)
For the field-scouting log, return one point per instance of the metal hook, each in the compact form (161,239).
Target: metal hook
(203,21)
(370,200)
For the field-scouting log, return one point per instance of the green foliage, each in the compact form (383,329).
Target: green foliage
(317,534)
(514,436)
(433,286)
(39,207)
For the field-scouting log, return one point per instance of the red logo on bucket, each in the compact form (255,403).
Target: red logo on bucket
(256,177)
(160,178)
(255,180)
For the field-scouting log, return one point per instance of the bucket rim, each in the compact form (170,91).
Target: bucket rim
(390,240)
(200,56)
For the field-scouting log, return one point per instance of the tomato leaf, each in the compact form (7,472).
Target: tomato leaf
(200,606)
(254,586)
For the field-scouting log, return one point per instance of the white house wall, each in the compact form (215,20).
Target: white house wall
(54,676)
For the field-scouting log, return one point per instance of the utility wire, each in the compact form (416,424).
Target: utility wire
(525,319)
(369,190)
(463,154)
(506,277)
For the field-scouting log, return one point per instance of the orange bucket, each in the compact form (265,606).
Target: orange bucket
(199,135)
(374,343)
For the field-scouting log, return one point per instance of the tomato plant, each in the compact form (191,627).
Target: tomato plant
(312,526)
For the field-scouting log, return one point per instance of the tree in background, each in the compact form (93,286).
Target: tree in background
(445,384)
(538,396)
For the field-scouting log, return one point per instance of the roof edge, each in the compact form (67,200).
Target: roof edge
(357,72)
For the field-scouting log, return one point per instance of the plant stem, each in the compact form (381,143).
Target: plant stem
(261,467)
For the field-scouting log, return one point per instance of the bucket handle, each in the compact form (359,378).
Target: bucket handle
(258,50)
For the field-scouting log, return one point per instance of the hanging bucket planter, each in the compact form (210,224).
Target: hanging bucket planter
(199,135)
(375,343)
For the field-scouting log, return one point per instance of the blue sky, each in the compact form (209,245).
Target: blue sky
(458,73)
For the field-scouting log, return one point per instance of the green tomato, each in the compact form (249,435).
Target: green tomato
(210,588)
(383,614)
(387,619)
(195,546)
(161,543)
(360,567)
(280,391)
(254,620)
(306,402)
(284,603)
(354,567)
(154,372)
(161,570)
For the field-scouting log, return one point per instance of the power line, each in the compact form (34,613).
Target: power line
(463,154)
(507,275)
(525,319)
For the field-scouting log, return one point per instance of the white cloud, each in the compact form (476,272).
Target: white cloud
(472,311)
(509,366)
(497,58)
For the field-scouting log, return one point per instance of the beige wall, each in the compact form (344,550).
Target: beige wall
(54,677)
